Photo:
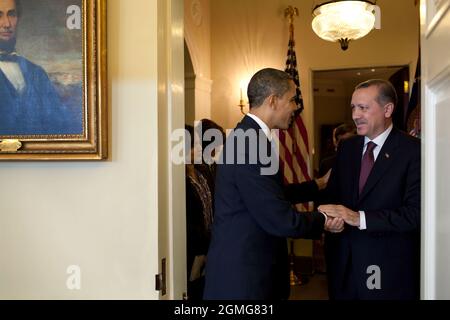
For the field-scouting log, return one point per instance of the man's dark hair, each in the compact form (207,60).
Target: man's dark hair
(265,83)
(386,91)
(343,129)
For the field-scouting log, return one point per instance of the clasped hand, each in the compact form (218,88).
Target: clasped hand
(340,212)
(334,225)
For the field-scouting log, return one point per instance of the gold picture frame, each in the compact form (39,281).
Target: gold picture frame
(80,84)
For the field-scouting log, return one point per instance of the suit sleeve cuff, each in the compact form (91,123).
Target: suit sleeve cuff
(362,220)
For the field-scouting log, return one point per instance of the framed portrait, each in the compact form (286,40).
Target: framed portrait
(53,91)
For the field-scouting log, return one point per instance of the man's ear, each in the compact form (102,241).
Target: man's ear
(272,99)
(388,110)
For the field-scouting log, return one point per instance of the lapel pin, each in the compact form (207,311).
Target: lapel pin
(387,155)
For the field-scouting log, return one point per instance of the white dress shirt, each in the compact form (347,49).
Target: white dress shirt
(379,141)
(262,125)
(267,131)
(13,74)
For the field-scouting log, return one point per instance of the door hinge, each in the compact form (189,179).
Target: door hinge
(160,279)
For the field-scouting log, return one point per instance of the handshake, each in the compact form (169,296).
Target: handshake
(337,215)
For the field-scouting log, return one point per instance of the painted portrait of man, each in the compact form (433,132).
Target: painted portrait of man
(40,69)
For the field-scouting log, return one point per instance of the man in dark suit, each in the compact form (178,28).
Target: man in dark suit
(247,258)
(375,186)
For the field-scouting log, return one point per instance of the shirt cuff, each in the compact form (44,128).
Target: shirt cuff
(362,220)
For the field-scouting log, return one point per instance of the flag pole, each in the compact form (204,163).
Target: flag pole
(290,13)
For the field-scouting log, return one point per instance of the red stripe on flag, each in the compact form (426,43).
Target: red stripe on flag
(287,161)
(298,152)
(301,127)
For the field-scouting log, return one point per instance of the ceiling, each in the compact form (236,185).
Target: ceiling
(355,75)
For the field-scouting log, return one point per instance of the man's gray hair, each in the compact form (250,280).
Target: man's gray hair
(386,91)
(265,83)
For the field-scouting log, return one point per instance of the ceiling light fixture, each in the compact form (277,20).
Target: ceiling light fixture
(345,20)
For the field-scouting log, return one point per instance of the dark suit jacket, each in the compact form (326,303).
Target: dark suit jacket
(326,164)
(247,257)
(391,201)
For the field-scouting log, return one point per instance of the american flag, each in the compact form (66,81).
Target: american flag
(294,145)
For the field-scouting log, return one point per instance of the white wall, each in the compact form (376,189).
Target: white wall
(197,25)
(102,216)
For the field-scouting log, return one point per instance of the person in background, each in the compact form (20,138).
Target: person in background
(199,217)
(340,133)
(203,130)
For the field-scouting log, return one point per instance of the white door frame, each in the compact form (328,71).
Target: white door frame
(171,177)
(435,39)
